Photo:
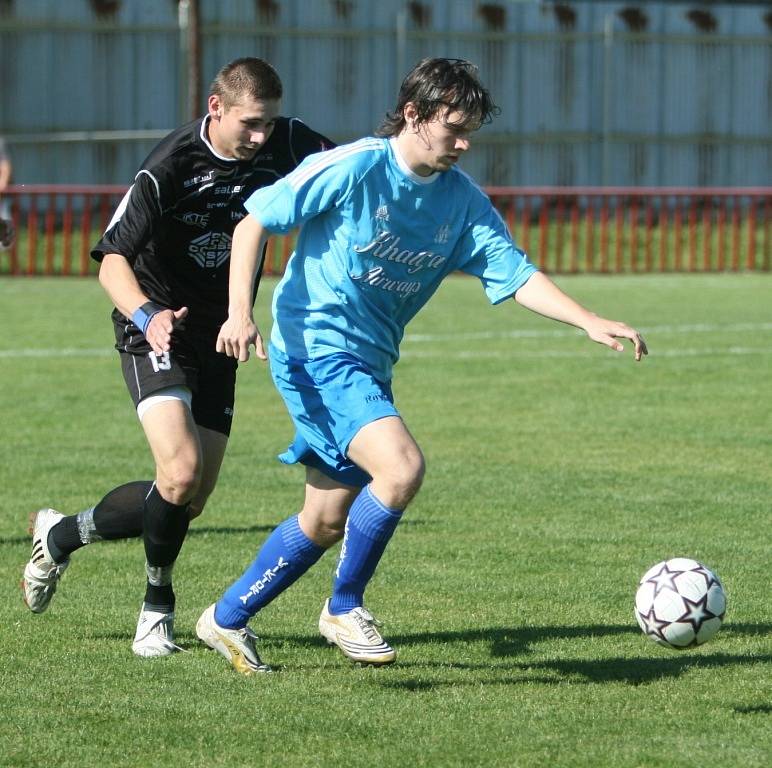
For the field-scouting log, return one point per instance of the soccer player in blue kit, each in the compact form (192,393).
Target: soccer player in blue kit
(383,221)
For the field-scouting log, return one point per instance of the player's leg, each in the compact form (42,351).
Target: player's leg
(288,552)
(387,451)
(188,456)
(213,446)
(348,427)
(55,537)
(390,455)
(118,515)
(174,442)
(212,407)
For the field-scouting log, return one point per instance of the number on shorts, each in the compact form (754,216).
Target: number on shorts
(162,363)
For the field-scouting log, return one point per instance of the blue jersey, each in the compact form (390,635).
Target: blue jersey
(375,243)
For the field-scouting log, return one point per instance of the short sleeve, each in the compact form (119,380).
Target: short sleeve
(134,221)
(488,252)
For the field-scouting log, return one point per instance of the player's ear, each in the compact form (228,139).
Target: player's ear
(410,113)
(215,106)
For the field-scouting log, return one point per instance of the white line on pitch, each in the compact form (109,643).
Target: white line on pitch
(515,353)
(477,336)
(61,352)
(568,332)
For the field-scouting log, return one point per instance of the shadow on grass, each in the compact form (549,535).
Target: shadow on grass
(506,643)
(633,671)
(225,530)
(759,709)
(201,530)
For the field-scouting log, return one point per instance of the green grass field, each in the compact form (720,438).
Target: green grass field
(558,472)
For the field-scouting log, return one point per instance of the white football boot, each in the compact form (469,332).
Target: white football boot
(155,634)
(237,645)
(356,634)
(41,573)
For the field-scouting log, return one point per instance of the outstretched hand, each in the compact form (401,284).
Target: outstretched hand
(236,336)
(609,331)
(159,330)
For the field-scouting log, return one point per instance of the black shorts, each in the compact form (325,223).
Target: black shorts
(192,362)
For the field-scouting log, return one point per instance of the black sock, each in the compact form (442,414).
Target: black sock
(160,599)
(165,526)
(64,538)
(117,516)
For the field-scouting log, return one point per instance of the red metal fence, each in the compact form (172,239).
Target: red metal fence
(564,230)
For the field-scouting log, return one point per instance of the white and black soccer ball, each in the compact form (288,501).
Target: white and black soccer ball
(680,603)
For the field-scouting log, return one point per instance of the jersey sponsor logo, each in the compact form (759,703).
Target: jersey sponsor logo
(443,234)
(386,246)
(228,189)
(210,250)
(382,214)
(200,220)
(238,215)
(198,179)
(377,278)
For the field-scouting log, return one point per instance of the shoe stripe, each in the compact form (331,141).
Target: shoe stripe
(363,646)
(341,639)
(367,652)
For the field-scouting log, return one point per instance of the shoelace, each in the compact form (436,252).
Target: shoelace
(246,634)
(51,575)
(163,634)
(367,623)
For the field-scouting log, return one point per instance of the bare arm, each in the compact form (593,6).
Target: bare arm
(239,331)
(117,278)
(542,296)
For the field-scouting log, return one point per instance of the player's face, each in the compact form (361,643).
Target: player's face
(436,145)
(240,130)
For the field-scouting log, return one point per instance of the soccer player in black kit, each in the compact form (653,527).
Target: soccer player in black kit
(164,262)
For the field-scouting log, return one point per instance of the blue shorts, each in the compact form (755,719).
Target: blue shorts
(329,399)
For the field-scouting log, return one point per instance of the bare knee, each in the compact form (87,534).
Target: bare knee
(178,481)
(198,502)
(396,485)
(323,529)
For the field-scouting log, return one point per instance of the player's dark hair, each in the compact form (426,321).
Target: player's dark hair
(435,84)
(247,77)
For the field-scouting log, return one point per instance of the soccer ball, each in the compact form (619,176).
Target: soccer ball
(680,603)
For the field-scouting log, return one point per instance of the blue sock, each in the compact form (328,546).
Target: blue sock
(284,557)
(369,527)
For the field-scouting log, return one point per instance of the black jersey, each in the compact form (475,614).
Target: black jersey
(175,224)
